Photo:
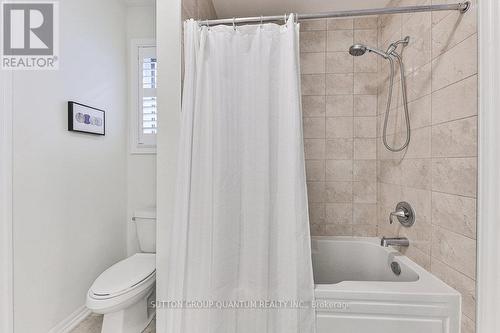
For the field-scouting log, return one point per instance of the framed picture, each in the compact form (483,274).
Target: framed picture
(86,119)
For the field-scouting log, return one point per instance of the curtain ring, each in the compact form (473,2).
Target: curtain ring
(208,25)
(296,18)
(284,18)
(234,23)
(261,20)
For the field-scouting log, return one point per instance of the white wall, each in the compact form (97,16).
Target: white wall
(69,189)
(6,310)
(141,176)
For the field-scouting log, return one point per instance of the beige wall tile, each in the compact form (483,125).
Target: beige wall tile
(339,62)
(365,105)
(339,105)
(365,83)
(417,173)
(314,128)
(313,106)
(364,170)
(366,37)
(418,52)
(390,171)
(420,112)
(338,192)
(339,127)
(389,195)
(455,175)
(339,213)
(364,230)
(365,127)
(419,235)
(457,251)
(367,22)
(420,200)
(456,64)
(312,63)
(339,40)
(315,170)
(463,284)
(457,138)
(314,149)
(364,192)
(364,214)
(339,84)
(338,230)
(308,25)
(340,24)
(418,256)
(313,41)
(366,64)
(456,101)
(365,149)
(455,213)
(317,213)
(339,149)
(339,170)
(316,192)
(313,84)
(317,230)
(467,325)
(418,82)
(420,144)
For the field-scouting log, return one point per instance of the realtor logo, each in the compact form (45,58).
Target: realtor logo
(30,35)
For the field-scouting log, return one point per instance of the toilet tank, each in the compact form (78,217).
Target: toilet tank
(145,221)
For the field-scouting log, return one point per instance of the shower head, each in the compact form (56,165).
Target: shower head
(359,49)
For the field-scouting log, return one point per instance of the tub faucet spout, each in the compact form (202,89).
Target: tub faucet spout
(396,241)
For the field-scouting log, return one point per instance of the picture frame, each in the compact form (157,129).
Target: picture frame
(86,119)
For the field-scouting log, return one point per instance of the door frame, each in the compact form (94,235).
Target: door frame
(488,213)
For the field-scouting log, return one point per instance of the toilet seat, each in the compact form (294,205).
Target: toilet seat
(124,277)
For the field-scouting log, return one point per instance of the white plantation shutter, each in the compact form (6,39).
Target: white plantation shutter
(147,121)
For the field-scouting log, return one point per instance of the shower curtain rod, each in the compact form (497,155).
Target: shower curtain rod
(462,7)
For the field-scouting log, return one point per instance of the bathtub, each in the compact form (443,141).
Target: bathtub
(357,291)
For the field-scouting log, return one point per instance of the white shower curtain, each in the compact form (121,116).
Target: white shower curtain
(240,257)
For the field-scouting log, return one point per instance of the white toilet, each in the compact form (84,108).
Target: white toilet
(123,292)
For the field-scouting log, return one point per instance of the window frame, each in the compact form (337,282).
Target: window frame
(135,105)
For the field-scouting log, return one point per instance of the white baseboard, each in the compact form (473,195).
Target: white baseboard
(71,321)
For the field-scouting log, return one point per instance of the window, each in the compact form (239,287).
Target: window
(143,96)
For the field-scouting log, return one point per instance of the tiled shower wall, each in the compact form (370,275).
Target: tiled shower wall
(339,97)
(437,173)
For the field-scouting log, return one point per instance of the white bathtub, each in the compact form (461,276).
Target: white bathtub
(356,290)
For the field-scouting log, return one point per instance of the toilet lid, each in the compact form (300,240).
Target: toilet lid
(124,275)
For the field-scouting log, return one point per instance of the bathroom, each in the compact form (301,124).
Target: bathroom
(344,152)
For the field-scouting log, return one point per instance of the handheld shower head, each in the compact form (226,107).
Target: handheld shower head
(359,49)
